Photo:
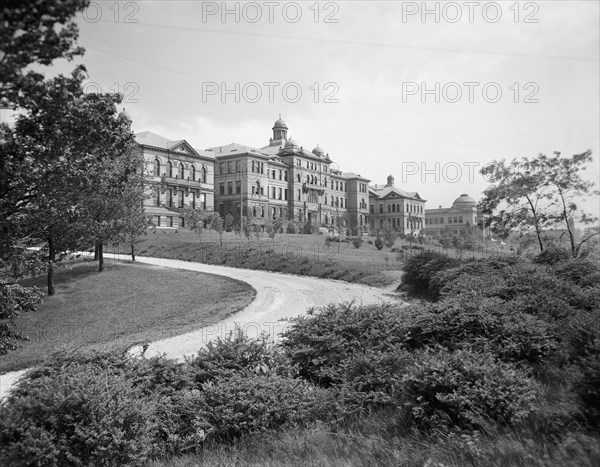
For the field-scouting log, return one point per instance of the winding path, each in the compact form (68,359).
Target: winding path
(278,296)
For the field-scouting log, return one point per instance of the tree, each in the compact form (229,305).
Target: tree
(216,223)
(194,219)
(273,227)
(536,194)
(563,176)
(228,222)
(247,228)
(515,200)
(388,234)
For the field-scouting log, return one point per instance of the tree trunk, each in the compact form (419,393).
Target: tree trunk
(100,257)
(132,252)
(96,251)
(51,256)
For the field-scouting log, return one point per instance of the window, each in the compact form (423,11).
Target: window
(299,195)
(222,188)
(156,169)
(238,187)
(279,193)
(300,214)
(253,211)
(180,200)
(325,201)
(280,174)
(170,220)
(393,208)
(299,179)
(252,166)
(460,219)
(274,192)
(372,210)
(380,208)
(237,166)
(170,198)
(158,199)
(193,173)
(158,221)
(181,171)
(193,202)
(230,188)
(273,174)
(285,175)
(229,167)
(169,169)
(285,194)
(203,174)
(202,197)
(222,168)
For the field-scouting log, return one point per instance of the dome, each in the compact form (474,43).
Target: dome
(124,114)
(290,144)
(464,200)
(318,151)
(280,124)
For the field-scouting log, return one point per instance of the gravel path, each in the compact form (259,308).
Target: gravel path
(278,296)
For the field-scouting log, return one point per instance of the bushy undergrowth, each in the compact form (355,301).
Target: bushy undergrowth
(501,347)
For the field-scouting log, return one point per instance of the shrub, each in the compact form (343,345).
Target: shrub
(237,353)
(82,416)
(369,242)
(552,255)
(420,269)
(357,242)
(318,343)
(231,407)
(578,271)
(379,243)
(466,390)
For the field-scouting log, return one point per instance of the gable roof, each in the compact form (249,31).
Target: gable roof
(149,138)
(389,191)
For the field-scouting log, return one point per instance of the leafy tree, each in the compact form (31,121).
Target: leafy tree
(34,33)
(194,219)
(273,227)
(216,223)
(256,230)
(532,195)
(563,175)
(516,199)
(228,222)
(388,234)
(247,227)
(379,242)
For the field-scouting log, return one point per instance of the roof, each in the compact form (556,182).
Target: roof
(387,190)
(350,175)
(149,138)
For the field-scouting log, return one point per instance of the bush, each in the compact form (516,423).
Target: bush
(379,243)
(579,271)
(420,269)
(318,343)
(466,390)
(231,407)
(357,242)
(552,255)
(82,416)
(369,242)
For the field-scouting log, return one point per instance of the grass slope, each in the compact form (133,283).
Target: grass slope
(128,303)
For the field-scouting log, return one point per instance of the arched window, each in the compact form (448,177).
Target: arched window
(393,208)
(299,179)
(181,172)
(156,169)
(253,211)
(169,169)
(193,172)
(203,174)
(308,179)
(397,208)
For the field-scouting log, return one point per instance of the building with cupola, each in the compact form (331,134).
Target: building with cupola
(404,210)
(178,176)
(283,179)
(462,213)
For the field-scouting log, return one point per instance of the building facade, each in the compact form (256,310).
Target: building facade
(462,213)
(285,180)
(179,177)
(405,211)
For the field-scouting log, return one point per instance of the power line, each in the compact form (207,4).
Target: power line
(364,43)
(351,117)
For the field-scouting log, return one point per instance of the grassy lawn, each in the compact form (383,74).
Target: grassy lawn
(127,304)
(289,253)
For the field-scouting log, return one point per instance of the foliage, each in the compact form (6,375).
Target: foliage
(15,299)
(468,390)
(228,222)
(551,255)
(81,416)
(217,224)
(357,242)
(388,234)
(247,227)
(194,220)
(379,242)
(420,269)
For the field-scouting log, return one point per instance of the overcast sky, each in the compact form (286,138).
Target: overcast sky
(375,57)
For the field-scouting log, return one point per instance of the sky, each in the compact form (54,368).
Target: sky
(427,92)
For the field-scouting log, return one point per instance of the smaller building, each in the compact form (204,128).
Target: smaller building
(178,176)
(405,211)
(462,213)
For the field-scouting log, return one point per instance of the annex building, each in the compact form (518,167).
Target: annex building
(282,179)
(179,175)
(462,213)
(405,211)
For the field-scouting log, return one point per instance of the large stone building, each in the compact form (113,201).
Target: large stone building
(282,179)
(462,213)
(405,211)
(179,175)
